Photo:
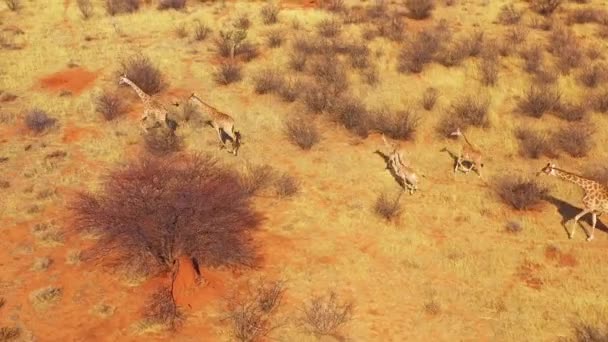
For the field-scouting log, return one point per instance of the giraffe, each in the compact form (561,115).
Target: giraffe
(595,200)
(153,110)
(222,123)
(399,166)
(469,153)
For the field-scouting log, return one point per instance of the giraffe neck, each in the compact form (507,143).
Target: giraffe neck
(467,140)
(570,177)
(145,98)
(198,99)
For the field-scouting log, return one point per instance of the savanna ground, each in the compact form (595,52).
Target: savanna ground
(456,263)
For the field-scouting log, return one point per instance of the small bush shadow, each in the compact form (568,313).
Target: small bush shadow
(568,212)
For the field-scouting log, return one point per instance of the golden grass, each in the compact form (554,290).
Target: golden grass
(445,269)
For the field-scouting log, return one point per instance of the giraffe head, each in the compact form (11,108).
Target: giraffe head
(456,133)
(192,96)
(123,79)
(549,169)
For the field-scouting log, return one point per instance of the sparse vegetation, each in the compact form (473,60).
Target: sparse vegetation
(419,9)
(8,334)
(141,71)
(509,15)
(575,139)
(256,178)
(162,142)
(254,316)
(538,100)
(275,38)
(513,227)
(46,297)
(325,315)
(161,309)
(588,333)
(168,216)
(227,73)
(429,98)
(520,193)
(302,132)
(85,7)
(270,14)
(386,206)
(110,105)
(114,7)
(593,75)
(329,28)
(418,51)
(290,89)
(286,185)
(396,124)
(13,5)
(570,111)
(201,30)
(171,4)
(38,121)
(534,144)
(267,81)
(545,7)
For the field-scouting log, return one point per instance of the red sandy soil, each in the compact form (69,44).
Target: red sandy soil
(74,80)
(72,133)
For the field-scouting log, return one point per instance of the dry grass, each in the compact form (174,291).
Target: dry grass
(593,75)
(201,31)
(545,7)
(570,111)
(270,14)
(520,193)
(267,80)
(509,15)
(114,7)
(599,100)
(8,334)
(142,71)
(575,139)
(400,125)
(429,98)
(588,333)
(171,4)
(329,28)
(419,9)
(161,309)
(275,38)
(286,185)
(86,8)
(13,5)
(353,115)
(325,315)
(45,298)
(256,178)
(419,51)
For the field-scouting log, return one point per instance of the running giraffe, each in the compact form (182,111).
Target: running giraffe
(469,153)
(595,200)
(222,123)
(153,110)
(400,168)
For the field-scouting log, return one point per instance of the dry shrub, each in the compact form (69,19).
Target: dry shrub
(575,139)
(333,5)
(418,51)
(419,9)
(275,38)
(370,75)
(533,58)
(8,334)
(301,131)
(597,172)
(539,99)
(594,52)
(253,317)
(533,144)
(564,45)
(114,7)
(228,73)
(392,28)
(290,89)
(162,142)
(352,114)
(242,22)
(297,60)
(13,5)
(545,76)
(110,105)
(325,315)
(161,309)
(140,69)
(452,54)
(584,332)
(519,192)
(593,75)
(38,121)
(513,227)
(471,110)
(201,31)
(570,111)
(602,31)
(516,35)
(171,4)
(182,205)
(329,28)
(488,71)
(429,98)
(286,185)
(270,14)
(400,125)
(330,73)
(545,7)
(509,15)
(233,43)
(85,7)
(267,81)
(387,207)
(317,98)
(586,15)
(599,100)
(541,23)
(256,178)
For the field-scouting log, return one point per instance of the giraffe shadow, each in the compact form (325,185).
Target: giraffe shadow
(454,157)
(568,212)
(386,158)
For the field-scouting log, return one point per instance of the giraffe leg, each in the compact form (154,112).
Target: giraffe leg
(457,165)
(594,221)
(576,218)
